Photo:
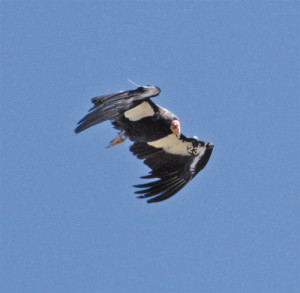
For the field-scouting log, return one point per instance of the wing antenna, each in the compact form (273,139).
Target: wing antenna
(129,80)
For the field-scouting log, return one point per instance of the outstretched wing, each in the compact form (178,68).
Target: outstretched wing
(108,107)
(174,161)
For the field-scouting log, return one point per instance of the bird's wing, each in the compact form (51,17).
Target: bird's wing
(175,161)
(108,107)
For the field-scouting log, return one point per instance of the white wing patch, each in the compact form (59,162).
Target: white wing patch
(195,161)
(141,111)
(173,145)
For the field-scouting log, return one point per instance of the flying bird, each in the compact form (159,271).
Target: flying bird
(174,158)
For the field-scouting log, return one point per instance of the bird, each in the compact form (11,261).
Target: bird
(173,158)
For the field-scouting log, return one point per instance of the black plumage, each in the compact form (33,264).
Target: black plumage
(173,158)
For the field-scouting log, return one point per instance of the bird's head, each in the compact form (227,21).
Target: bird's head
(175,127)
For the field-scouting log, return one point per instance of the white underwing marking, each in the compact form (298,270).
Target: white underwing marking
(194,163)
(173,145)
(197,159)
(141,111)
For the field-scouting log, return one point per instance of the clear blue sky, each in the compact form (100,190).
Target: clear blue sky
(70,221)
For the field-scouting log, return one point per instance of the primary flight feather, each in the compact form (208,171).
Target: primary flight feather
(173,158)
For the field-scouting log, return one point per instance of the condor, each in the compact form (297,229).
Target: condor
(174,158)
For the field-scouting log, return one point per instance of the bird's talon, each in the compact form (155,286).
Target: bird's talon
(119,139)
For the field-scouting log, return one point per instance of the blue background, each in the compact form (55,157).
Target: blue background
(70,221)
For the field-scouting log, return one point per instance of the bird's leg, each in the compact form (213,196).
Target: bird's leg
(119,139)
(175,127)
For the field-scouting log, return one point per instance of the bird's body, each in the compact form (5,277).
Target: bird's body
(145,122)
(173,158)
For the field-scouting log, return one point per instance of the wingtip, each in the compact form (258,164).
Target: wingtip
(143,197)
(152,200)
(140,192)
(148,176)
(80,126)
